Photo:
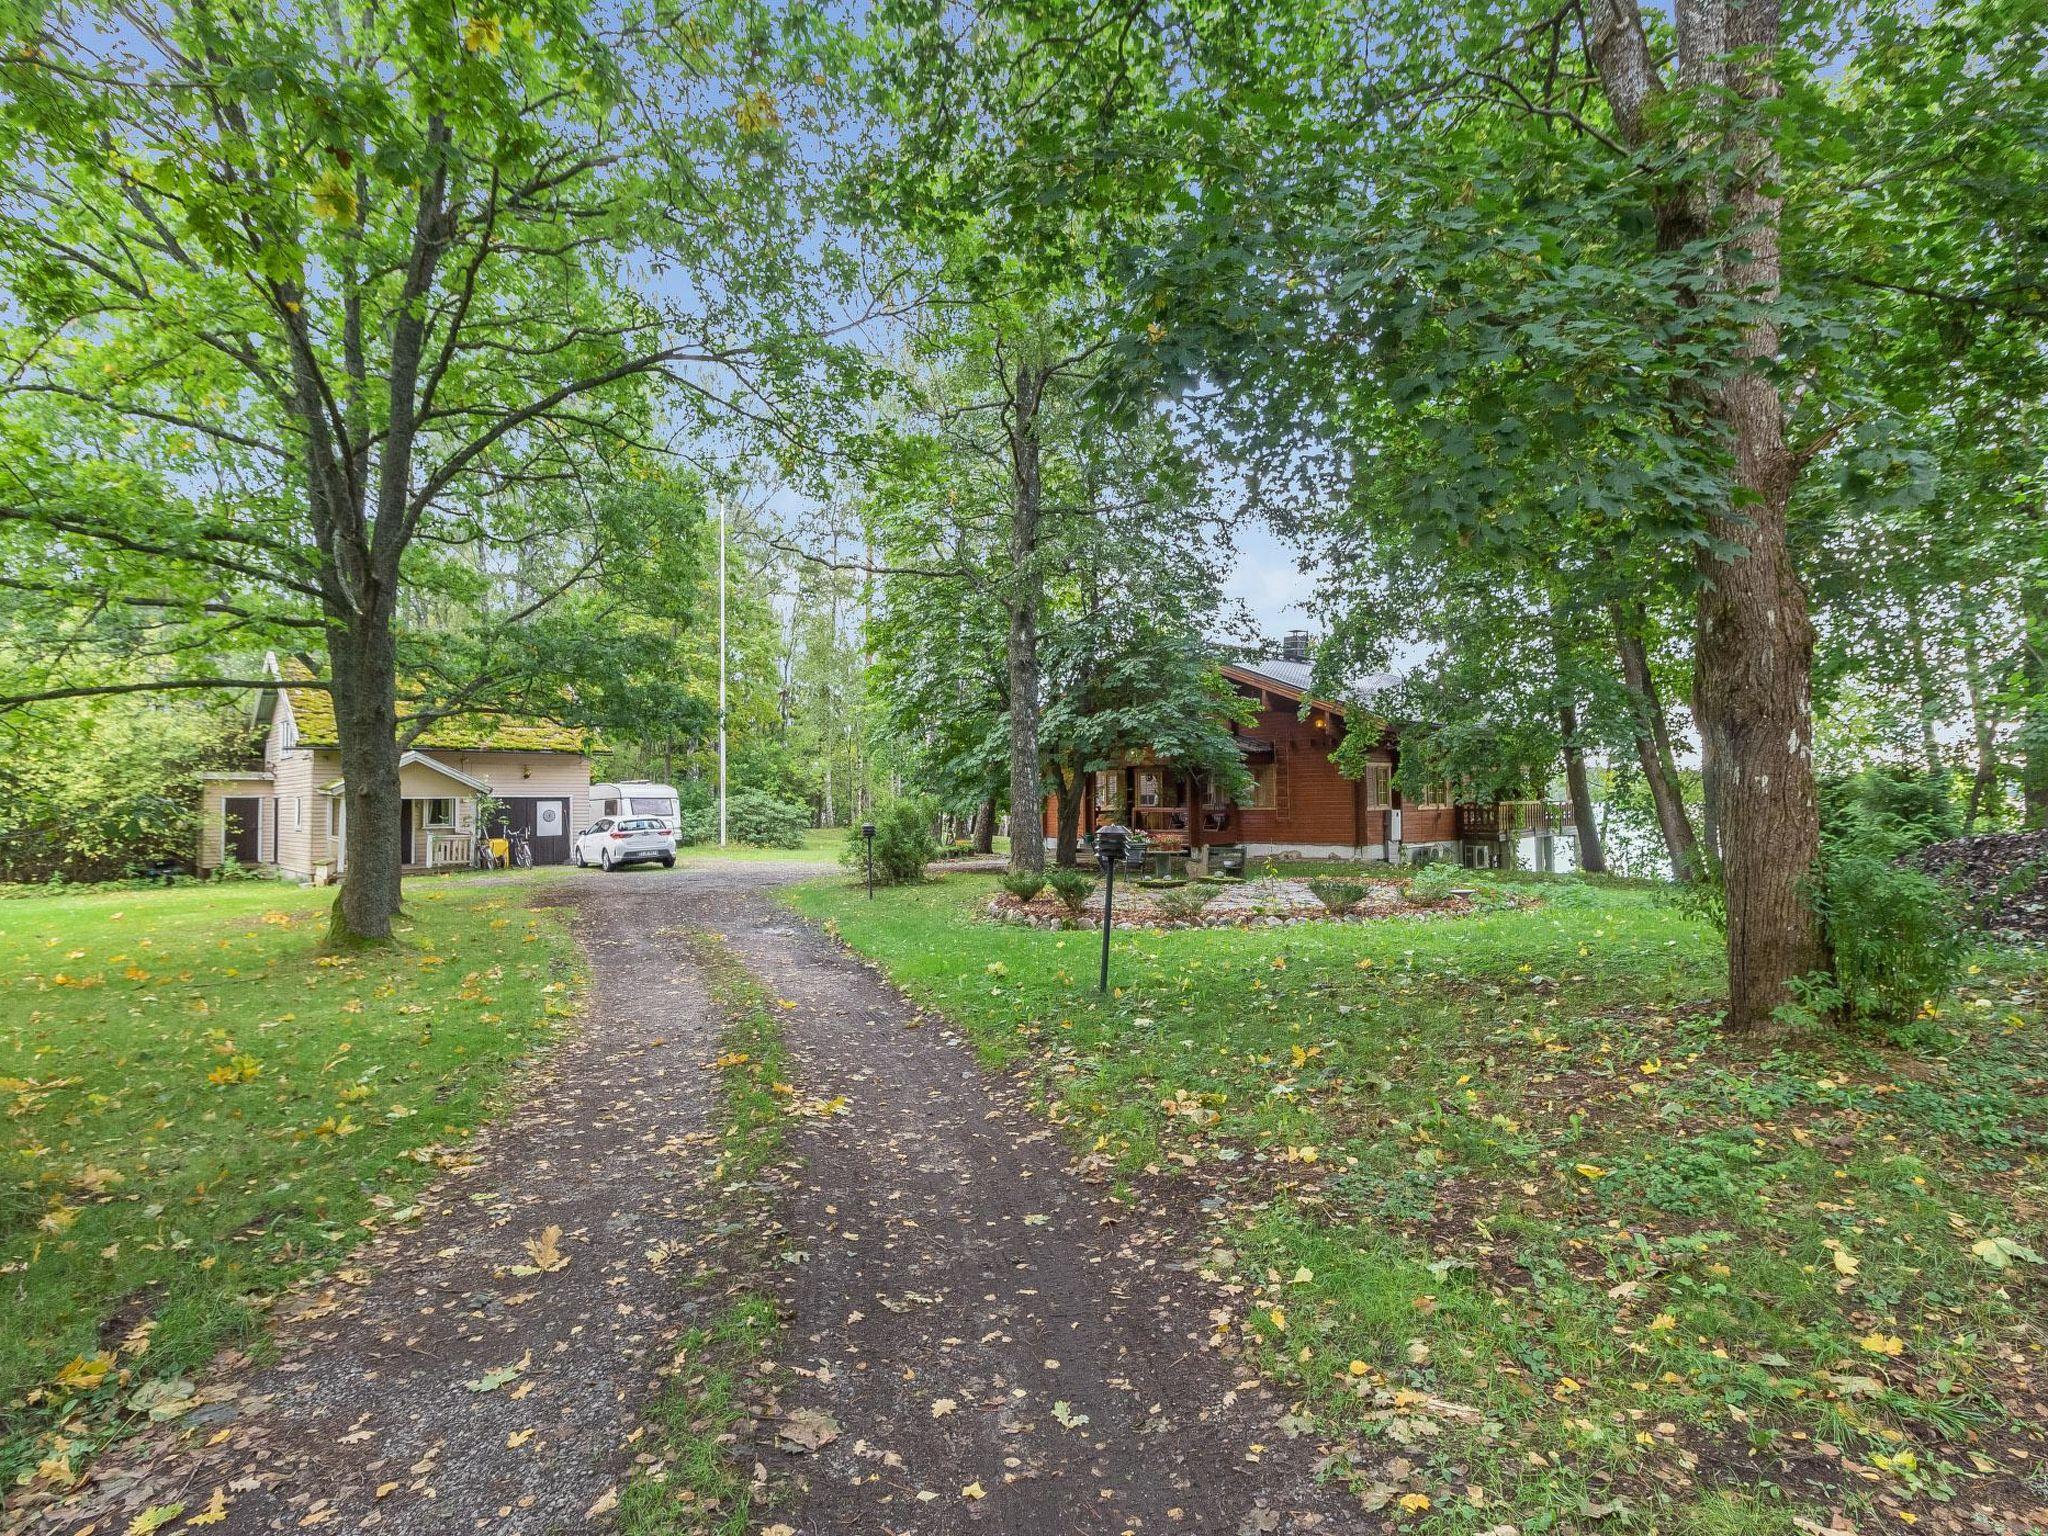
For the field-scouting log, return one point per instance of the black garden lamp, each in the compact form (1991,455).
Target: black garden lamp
(1112,843)
(867,833)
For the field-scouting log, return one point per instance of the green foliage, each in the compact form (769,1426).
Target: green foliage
(1889,810)
(1337,894)
(1436,880)
(92,790)
(1186,902)
(1024,884)
(1072,886)
(763,821)
(1896,934)
(903,842)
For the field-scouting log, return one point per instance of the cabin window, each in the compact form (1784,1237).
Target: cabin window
(1109,791)
(611,807)
(1378,782)
(298,813)
(1148,788)
(334,816)
(1433,796)
(1265,787)
(441,813)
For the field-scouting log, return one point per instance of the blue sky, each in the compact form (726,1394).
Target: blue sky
(1267,579)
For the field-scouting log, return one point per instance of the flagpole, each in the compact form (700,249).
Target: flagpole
(721,671)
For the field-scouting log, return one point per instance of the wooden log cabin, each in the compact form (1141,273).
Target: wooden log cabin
(1301,806)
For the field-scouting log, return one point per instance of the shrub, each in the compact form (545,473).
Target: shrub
(760,819)
(752,816)
(1024,884)
(1337,895)
(1896,934)
(1435,882)
(1185,903)
(1889,808)
(1071,886)
(904,843)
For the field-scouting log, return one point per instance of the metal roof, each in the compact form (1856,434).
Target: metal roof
(1296,676)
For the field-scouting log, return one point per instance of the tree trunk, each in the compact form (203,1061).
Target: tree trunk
(1753,660)
(1027,800)
(1983,729)
(1923,689)
(1071,788)
(1653,746)
(363,662)
(985,826)
(1592,858)
(2033,733)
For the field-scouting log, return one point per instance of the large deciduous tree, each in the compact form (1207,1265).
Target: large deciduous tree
(349,284)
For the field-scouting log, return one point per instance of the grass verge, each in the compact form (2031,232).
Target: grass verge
(203,1109)
(1529,1240)
(693,1486)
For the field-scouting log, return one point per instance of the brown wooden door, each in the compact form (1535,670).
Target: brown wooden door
(242,836)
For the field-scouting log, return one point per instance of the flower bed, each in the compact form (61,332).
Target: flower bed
(1267,903)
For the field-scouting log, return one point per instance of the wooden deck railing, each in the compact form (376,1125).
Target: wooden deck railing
(445,850)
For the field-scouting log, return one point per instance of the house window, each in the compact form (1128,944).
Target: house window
(1265,787)
(1109,792)
(441,813)
(298,813)
(1433,796)
(1378,780)
(1148,788)
(334,816)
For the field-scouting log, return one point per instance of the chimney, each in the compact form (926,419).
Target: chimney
(1295,646)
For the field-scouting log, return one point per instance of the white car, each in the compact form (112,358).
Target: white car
(612,842)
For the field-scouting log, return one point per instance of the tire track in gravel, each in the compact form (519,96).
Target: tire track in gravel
(975,1317)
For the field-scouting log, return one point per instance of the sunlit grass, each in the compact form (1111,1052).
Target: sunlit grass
(202,1108)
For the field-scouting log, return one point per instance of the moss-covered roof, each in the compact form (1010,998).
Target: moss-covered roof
(313,709)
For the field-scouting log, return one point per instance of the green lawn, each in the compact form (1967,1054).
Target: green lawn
(202,1108)
(1491,1196)
(821,844)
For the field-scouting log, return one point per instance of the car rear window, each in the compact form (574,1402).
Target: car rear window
(642,824)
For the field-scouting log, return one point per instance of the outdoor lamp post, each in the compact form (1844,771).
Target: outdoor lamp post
(1111,843)
(867,833)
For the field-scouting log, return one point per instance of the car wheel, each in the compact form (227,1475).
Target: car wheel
(604,860)
(576,854)
(669,862)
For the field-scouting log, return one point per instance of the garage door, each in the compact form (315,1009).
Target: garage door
(545,822)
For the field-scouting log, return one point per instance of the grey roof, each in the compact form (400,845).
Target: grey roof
(1298,675)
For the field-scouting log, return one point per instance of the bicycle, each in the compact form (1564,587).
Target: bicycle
(520,851)
(484,856)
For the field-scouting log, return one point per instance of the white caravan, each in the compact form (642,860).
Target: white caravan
(637,799)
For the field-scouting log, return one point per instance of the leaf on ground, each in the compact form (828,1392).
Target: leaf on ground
(154,1518)
(216,1510)
(943,1406)
(1064,1412)
(490,1381)
(545,1252)
(974,1490)
(806,1429)
(604,1503)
